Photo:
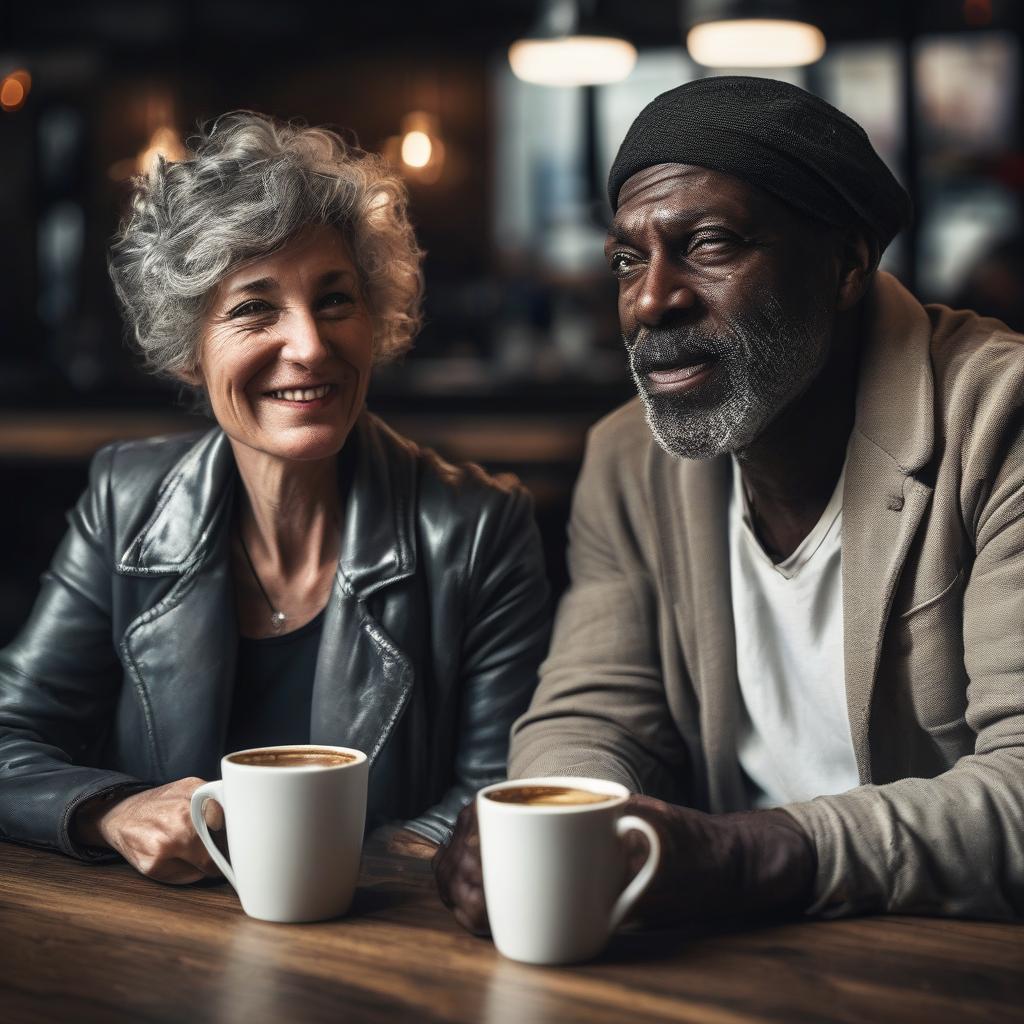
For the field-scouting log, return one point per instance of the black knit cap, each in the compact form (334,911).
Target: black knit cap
(774,135)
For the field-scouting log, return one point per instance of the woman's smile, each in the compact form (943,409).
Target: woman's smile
(303,397)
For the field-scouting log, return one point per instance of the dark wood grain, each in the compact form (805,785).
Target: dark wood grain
(88,943)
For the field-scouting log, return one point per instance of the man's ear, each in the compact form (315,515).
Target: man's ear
(858,258)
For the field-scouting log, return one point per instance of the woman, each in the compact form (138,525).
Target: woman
(300,573)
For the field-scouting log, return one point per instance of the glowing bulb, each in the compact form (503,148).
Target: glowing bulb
(14,89)
(755,43)
(572,60)
(416,149)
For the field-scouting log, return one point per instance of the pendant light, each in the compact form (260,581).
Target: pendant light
(751,33)
(567,47)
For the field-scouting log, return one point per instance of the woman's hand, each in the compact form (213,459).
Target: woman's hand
(153,831)
(407,843)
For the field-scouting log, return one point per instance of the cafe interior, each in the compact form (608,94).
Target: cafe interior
(505,148)
(503,118)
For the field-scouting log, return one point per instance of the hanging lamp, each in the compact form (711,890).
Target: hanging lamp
(568,47)
(751,33)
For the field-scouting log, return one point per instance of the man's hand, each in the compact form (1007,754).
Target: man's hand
(713,867)
(459,877)
(716,867)
(153,831)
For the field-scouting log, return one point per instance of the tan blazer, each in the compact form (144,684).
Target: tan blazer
(640,683)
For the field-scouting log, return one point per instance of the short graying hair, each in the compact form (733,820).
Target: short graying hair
(248,185)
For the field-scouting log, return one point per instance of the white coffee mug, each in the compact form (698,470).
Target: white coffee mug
(553,874)
(295,833)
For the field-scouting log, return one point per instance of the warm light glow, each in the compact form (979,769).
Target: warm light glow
(164,142)
(416,149)
(572,60)
(14,89)
(755,43)
(978,12)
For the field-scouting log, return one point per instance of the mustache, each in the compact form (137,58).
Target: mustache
(664,348)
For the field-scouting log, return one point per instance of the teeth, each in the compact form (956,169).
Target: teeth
(301,394)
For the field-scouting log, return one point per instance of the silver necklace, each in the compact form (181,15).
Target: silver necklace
(277,618)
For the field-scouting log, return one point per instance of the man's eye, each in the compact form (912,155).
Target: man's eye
(621,262)
(711,244)
(251,307)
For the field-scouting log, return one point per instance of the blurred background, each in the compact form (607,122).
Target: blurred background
(521,352)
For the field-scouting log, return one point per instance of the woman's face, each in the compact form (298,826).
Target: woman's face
(286,348)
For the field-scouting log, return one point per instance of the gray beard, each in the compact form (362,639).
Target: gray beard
(765,361)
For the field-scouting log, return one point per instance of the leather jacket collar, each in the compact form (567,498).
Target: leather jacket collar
(376,549)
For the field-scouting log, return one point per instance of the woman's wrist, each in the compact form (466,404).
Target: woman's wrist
(86,821)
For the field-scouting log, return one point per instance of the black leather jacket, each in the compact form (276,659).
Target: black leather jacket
(123,674)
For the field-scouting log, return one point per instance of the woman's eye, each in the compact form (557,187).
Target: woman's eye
(336,300)
(251,307)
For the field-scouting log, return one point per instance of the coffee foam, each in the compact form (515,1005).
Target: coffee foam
(307,757)
(548,796)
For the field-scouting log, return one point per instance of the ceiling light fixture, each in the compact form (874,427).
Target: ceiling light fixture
(566,47)
(751,34)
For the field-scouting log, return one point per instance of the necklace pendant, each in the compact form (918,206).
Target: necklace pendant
(277,621)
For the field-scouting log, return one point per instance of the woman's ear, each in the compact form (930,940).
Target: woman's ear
(858,258)
(193,377)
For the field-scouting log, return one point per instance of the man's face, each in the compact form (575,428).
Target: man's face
(726,302)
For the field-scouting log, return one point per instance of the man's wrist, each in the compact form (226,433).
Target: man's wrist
(775,862)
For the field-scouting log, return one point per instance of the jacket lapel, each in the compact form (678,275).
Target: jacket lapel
(180,652)
(363,677)
(698,576)
(883,501)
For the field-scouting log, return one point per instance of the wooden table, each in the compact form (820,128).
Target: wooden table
(85,943)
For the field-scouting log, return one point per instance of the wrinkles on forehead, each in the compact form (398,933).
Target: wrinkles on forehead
(666,196)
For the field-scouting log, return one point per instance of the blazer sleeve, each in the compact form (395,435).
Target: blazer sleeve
(952,845)
(600,709)
(504,639)
(59,680)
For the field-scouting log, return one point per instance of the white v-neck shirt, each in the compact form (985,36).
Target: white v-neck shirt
(793,733)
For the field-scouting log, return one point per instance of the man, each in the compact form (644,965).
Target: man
(796,615)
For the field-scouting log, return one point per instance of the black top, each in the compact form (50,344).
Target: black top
(273,693)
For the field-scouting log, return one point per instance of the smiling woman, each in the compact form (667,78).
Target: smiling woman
(299,573)
(286,347)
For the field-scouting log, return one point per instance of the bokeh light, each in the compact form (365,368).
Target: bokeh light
(14,90)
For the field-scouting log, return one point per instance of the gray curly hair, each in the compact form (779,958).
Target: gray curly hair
(248,185)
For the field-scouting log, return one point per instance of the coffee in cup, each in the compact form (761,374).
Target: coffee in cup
(295,817)
(291,757)
(548,796)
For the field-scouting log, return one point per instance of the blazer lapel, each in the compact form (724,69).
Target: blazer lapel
(882,508)
(699,578)
(883,500)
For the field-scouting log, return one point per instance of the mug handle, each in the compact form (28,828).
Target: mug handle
(211,791)
(635,889)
